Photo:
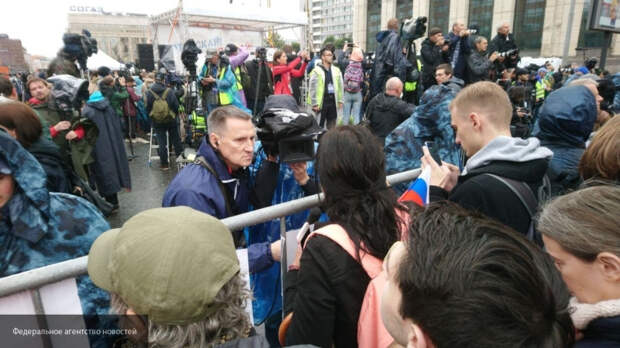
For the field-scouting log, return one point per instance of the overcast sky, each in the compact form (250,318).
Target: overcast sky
(41,23)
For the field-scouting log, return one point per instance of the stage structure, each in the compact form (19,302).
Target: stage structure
(213,28)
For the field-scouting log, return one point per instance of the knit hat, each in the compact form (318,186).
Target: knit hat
(166,263)
(433,31)
(542,70)
(357,55)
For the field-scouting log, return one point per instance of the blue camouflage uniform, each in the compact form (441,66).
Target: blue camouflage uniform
(266,284)
(38,228)
(429,122)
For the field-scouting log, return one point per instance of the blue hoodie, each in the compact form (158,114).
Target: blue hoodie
(567,117)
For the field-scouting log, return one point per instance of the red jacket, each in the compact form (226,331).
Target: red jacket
(284,72)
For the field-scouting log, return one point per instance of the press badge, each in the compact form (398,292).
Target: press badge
(330,88)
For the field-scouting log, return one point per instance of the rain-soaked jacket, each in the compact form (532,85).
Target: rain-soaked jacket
(389,60)
(429,122)
(38,228)
(565,122)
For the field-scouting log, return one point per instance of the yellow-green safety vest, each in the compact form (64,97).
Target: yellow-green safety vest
(320,87)
(411,86)
(225,98)
(540,90)
(238,78)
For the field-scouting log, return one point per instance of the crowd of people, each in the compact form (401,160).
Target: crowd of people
(515,244)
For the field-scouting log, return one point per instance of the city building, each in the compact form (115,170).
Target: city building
(12,54)
(330,18)
(541,27)
(117,34)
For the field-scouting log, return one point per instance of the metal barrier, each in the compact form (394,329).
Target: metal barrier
(39,277)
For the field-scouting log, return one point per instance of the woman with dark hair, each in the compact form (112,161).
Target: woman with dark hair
(325,285)
(21,122)
(282,71)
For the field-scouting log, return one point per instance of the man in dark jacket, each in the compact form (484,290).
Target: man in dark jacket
(388,57)
(171,127)
(459,49)
(503,42)
(480,116)
(258,67)
(478,63)
(434,51)
(386,110)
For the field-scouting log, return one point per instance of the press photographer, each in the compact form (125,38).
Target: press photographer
(388,57)
(506,47)
(261,76)
(435,50)
(459,48)
(410,31)
(479,65)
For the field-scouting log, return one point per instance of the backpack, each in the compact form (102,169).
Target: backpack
(161,113)
(530,201)
(353,78)
(246,80)
(370,329)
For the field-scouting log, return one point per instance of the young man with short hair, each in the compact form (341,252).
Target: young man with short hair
(463,280)
(480,116)
(326,89)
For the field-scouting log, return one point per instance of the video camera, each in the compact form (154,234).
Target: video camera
(285,131)
(368,61)
(68,92)
(189,56)
(80,46)
(411,29)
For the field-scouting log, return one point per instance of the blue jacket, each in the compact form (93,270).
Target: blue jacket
(266,284)
(389,60)
(194,186)
(464,50)
(39,228)
(567,117)
(429,122)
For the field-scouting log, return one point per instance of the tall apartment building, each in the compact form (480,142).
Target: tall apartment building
(331,17)
(12,54)
(117,34)
(541,27)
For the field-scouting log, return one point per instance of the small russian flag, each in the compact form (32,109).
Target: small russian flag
(419,189)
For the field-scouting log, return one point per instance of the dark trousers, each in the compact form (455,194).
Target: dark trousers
(329,114)
(170,129)
(129,126)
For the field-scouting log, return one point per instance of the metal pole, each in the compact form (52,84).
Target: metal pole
(604,50)
(569,27)
(35,278)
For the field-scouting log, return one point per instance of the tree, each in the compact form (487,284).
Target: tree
(274,40)
(329,40)
(340,42)
(296,46)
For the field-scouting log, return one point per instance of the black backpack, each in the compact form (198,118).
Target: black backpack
(530,201)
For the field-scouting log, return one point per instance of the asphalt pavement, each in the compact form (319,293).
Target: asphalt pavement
(148,184)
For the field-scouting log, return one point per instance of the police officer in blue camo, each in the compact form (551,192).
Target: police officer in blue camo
(429,122)
(38,228)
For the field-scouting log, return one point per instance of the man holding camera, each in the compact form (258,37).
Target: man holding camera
(209,89)
(504,43)
(435,50)
(459,49)
(478,63)
(262,81)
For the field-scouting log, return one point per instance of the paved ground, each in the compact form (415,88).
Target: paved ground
(148,186)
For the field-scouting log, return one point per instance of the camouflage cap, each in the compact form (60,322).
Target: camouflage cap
(166,263)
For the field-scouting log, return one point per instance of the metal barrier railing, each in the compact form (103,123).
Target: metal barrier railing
(38,277)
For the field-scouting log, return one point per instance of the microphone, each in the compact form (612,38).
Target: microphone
(315,214)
